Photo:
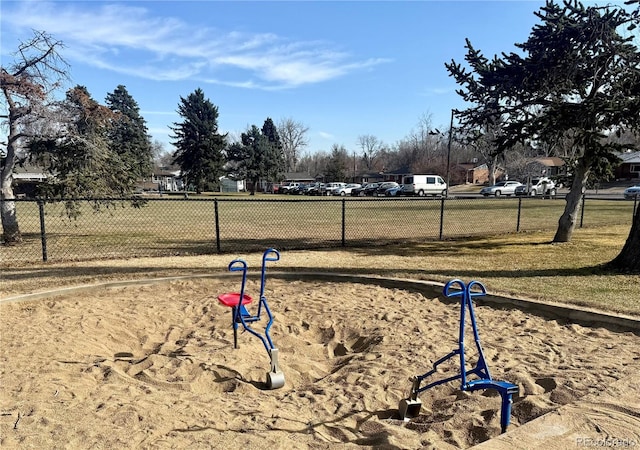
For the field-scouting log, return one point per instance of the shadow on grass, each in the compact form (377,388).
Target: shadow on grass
(471,247)
(87,248)
(89,270)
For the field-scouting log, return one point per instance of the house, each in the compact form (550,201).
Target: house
(289,177)
(629,168)
(547,166)
(299,177)
(397,175)
(370,177)
(471,173)
(162,179)
(26,179)
(229,185)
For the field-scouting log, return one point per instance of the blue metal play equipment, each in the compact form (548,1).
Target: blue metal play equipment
(240,315)
(410,407)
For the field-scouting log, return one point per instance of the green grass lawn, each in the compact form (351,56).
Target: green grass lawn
(172,226)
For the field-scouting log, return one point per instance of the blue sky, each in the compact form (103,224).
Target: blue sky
(344,69)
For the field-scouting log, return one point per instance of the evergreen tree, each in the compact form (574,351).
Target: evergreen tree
(199,146)
(257,156)
(275,160)
(250,158)
(577,76)
(336,169)
(128,137)
(80,156)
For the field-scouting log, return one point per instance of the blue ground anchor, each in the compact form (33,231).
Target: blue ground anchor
(240,315)
(410,407)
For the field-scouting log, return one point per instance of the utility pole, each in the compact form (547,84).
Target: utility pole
(449,151)
(354,167)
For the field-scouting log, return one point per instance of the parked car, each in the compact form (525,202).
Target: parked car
(394,192)
(298,190)
(345,190)
(539,186)
(370,189)
(329,187)
(501,188)
(287,187)
(360,192)
(313,189)
(382,188)
(632,192)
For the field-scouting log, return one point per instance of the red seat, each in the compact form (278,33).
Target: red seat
(231,299)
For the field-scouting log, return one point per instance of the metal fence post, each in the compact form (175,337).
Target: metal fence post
(215,208)
(519,210)
(43,232)
(635,205)
(441,217)
(582,210)
(344,223)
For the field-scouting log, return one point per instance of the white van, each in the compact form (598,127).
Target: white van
(422,185)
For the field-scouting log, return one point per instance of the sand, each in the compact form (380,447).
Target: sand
(153,366)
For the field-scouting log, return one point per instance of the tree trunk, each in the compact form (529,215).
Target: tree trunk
(10,230)
(569,218)
(493,166)
(629,258)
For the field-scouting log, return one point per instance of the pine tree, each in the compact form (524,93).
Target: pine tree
(129,137)
(577,76)
(199,146)
(81,157)
(336,169)
(249,157)
(275,161)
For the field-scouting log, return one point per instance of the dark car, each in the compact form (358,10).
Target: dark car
(356,191)
(364,190)
(299,189)
(382,188)
(313,189)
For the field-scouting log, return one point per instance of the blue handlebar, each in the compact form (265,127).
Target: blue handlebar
(480,293)
(266,257)
(447,290)
(237,265)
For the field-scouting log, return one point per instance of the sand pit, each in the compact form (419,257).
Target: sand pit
(153,366)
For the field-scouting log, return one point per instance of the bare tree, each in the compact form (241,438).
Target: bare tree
(293,136)
(371,147)
(424,148)
(484,146)
(27,85)
(313,163)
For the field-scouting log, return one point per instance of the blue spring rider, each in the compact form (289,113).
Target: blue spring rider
(237,301)
(410,407)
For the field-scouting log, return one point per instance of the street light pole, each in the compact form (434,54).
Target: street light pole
(449,151)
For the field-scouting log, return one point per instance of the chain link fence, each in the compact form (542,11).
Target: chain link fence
(179,226)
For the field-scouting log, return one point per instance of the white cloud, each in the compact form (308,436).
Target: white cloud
(324,135)
(131,40)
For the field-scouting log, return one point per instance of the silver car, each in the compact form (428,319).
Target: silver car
(632,192)
(501,188)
